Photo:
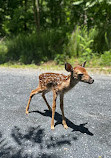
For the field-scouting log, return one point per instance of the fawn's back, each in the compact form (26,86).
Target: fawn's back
(48,81)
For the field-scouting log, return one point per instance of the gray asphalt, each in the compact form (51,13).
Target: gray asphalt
(87,111)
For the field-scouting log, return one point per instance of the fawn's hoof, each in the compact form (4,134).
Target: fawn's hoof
(27,112)
(65,126)
(52,127)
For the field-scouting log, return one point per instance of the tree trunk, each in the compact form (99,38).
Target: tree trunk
(25,21)
(36,14)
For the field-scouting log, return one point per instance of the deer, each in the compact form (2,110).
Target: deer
(60,84)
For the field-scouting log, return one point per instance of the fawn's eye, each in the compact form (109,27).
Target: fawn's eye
(80,75)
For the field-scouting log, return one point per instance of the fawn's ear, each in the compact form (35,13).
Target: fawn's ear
(68,67)
(83,65)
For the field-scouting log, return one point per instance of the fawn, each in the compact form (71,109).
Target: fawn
(60,84)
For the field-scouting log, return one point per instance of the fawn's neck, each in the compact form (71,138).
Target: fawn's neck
(72,80)
(69,83)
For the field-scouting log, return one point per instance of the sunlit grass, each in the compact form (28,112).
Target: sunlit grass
(51,65)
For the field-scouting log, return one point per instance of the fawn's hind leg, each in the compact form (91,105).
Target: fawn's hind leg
(43,95)
(37,90)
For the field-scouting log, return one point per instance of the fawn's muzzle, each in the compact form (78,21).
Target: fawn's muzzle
(91,81)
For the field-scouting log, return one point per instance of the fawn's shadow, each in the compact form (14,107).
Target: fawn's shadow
(81,128)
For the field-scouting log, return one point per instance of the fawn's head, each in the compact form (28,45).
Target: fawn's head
(79,73)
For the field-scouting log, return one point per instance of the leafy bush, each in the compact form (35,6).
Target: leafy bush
(106,58)
(102,40)
(73,47)
(33,48)
(3,52)
(53,45)
(80,42)
(61,59)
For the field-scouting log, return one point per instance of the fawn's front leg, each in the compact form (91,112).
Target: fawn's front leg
(43,95)
(53,108)
(62,110)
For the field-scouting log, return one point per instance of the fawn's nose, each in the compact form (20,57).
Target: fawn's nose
(91,81)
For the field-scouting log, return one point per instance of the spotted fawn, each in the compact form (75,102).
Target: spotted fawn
(59,84)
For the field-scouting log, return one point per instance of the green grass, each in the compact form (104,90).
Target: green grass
(32,51)
(32,48)
(45,66)
(51,65)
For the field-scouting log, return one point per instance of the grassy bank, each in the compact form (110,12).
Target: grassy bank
(52,66)
(36,50)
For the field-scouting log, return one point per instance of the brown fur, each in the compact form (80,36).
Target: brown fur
(60,84)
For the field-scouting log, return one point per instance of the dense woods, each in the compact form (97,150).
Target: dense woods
(35,31)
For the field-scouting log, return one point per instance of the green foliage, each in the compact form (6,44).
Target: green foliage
(61,59)
(106,58)
(32,48)
(81,42)
(73,47)
(86,41)
(54,29)
(102,41)
(3,52)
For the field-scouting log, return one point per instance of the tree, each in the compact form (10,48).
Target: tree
(36,14)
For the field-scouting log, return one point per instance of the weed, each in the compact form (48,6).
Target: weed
(106,58)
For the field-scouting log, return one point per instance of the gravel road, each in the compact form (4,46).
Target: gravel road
(87,111)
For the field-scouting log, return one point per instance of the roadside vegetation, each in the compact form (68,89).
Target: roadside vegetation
(35,32)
